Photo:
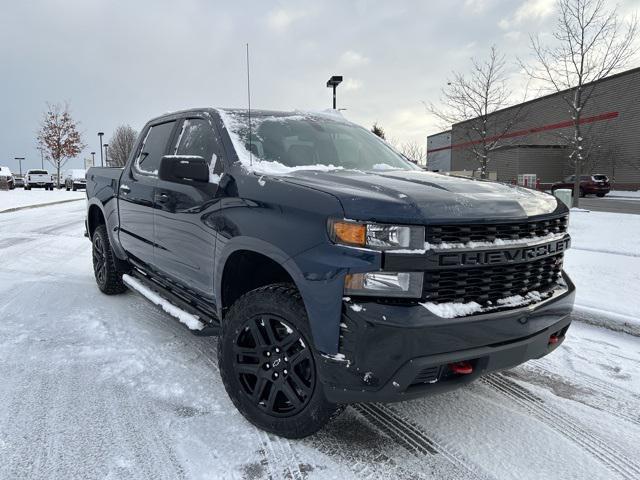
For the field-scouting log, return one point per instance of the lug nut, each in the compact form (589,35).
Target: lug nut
(277,350)
(268,354)
(285,372)
(267,366)
(275,375)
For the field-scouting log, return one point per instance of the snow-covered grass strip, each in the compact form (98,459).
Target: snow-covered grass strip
(191,321)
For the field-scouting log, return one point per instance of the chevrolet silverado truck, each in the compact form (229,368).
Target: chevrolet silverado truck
(332,269)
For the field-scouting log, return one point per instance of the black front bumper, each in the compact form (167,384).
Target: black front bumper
(399,352)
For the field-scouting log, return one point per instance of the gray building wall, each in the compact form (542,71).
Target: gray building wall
(612,140)
(439,152)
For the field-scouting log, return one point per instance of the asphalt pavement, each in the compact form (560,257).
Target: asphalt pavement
(611,204)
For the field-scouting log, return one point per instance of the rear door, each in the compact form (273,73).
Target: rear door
(136,193)
(185,239)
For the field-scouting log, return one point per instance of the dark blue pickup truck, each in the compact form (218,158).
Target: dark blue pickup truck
(333,269)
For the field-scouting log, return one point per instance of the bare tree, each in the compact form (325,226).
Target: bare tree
(58,137)
(377,130)
(591,42)
(120,145)
(414,151)
(473,98)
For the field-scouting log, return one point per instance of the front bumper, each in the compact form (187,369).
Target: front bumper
(392,352)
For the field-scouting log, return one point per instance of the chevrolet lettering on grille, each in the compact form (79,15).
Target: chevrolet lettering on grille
(502,256)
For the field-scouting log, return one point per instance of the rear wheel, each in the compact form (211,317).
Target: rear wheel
(267,363)
(108,278)
(582,193)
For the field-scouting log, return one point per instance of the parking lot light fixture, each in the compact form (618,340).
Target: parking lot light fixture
(101,134)
(19,159)
(333,82)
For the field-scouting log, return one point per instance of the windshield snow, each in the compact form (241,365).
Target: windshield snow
(281,143)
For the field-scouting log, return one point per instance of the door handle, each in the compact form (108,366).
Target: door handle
(162,198)
(125,189)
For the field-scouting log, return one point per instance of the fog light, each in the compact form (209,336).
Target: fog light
(384,284)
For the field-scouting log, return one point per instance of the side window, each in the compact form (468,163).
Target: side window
(199,138)
(153,148)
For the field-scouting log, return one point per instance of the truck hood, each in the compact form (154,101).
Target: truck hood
(425,197)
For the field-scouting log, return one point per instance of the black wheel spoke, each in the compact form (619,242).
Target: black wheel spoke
(271,398)
(299,356)
(250,368)
(289,341)
(271,334)
(261,383)
(246,351)
(291,394)
(300,383)
(258,338)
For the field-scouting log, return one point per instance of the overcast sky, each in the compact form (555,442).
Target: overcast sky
(127,61)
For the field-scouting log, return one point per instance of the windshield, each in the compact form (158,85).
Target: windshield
(308,141)
(38,172)
(600,177)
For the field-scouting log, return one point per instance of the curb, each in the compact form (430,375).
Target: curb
(15,209)
(609,320)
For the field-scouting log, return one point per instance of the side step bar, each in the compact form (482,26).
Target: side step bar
(181,302)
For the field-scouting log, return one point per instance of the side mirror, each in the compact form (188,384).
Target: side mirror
(183,169)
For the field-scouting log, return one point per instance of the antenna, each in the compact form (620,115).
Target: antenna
(249,104)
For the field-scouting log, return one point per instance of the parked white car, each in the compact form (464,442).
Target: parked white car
(7,176)
(75,178)
(38,179)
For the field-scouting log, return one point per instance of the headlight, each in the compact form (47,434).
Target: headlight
(385,284)
(375,235)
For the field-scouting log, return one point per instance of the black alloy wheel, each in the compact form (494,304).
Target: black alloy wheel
(274,365)
(268,364)
(99,260)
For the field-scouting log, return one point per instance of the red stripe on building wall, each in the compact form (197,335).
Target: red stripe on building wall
(528,131)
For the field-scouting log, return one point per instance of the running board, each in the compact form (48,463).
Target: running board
(199,321)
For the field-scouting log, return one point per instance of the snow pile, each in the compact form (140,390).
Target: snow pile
(191,321)
(624,194)
(252,162)
(604,264)
(20,198)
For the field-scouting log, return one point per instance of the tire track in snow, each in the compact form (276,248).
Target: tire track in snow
(282,460)
(613,405)
(597,447)
(411,436)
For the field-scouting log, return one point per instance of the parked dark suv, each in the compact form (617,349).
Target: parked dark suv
(589,184)
(333,270)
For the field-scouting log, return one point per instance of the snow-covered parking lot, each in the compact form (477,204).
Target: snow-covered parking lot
(111,387)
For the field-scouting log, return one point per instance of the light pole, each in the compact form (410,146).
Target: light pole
(333,82)
(41,160)
(93,159)
(100,134)
(106,153)
(19,159)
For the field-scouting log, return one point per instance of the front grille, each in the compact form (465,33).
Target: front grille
(490,283)
(489,232)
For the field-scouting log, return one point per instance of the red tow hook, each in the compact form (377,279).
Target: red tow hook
(461,368)
(553,339)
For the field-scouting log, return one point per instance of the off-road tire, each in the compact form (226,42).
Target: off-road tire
(275,303)
(108,277)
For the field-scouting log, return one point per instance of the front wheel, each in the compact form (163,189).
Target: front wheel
(108,278)
(267,363)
